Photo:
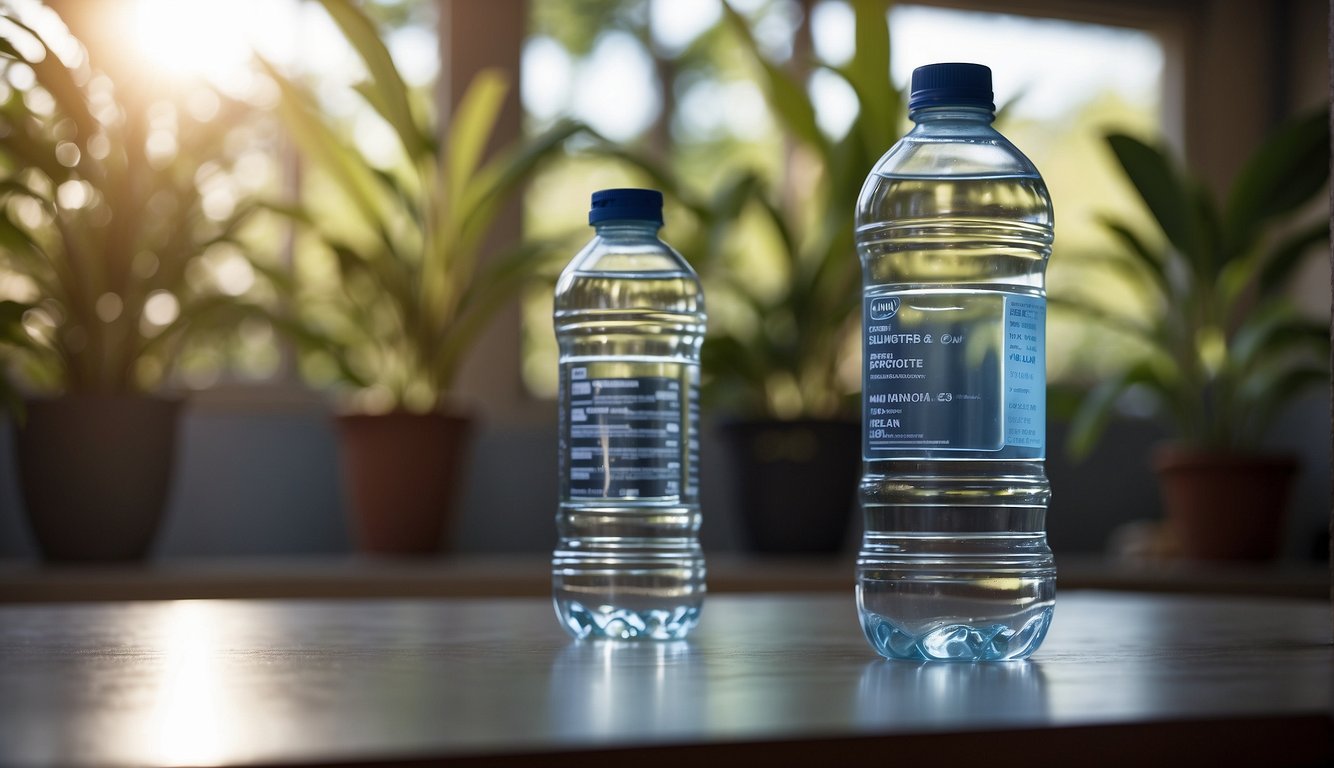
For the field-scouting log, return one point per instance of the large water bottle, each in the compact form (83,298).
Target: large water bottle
(629,318)
(954,228)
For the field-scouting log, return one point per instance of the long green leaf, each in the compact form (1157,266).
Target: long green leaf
(470,128)
(781,226)
(57,79)
(389,274)
(504,278)
(462,224)
(1207,230)
(868,71)
(1264,396)
(1164,192)
(786,95)
(319,143)
(501,176)
(1274,335)
(1290,254)
(12,331)
(721,211)
(1097,407)
(1143,266)
(1283,175)
(391,100)
(28,145)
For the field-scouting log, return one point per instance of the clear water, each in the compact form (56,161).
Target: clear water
(954,563)
(631,568)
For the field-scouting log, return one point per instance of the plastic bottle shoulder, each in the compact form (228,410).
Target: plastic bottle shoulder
(630,251)
(959,150)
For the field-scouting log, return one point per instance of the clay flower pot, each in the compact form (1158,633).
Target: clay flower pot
(94,471)
(796,482)
(1223,506)
(402,473)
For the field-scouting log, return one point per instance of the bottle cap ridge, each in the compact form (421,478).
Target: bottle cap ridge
(951,84)
(626,205)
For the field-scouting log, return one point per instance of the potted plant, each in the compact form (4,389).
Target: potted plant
(408,285)
(103,233)
(1224,349)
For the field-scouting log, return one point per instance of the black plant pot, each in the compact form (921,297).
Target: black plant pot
(94,471)
(796,482)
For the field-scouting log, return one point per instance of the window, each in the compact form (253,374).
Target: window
(684,91)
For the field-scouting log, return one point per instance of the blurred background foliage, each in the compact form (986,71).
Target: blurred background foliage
(671,84)
(705,116)
(121,229)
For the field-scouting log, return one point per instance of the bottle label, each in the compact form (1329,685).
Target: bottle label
(954,371)
(625,437)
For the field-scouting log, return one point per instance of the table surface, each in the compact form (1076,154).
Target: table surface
(776,677)
(517,575)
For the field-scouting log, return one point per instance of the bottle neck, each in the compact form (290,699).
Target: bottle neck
(952,114)
(627,228)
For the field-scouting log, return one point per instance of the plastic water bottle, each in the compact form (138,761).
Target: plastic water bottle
(629,317)
(954,229)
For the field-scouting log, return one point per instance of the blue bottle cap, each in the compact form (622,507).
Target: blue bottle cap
(626,205)
(951,85)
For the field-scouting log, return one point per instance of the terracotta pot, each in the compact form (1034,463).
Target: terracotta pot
(94,471)
(402,473)
(796,482)
(1224,506)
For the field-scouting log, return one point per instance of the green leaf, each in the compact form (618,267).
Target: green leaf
(1165,193)
(11,324)
(470,129)
(503,279)
(1268,393)
(880,102)
(57,79)
(740,362)
(296,213)
(1152,262)
(786,95)
(1282,176)
(1290,254)
(1275,331)
(322,146)
(781,226)
(1210,255)
(1098,405)
(28,145)
(390,275)
(390,98)
(501,176)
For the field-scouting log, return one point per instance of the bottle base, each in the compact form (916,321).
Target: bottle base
(620,623)
(957,642)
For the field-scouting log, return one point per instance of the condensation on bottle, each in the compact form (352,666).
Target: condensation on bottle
(629,320)
(954,229)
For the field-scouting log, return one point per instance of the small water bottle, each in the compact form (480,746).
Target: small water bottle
(629,318)
(954,229)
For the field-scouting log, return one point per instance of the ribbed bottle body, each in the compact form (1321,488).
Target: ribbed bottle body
(954,229)
(629,319)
